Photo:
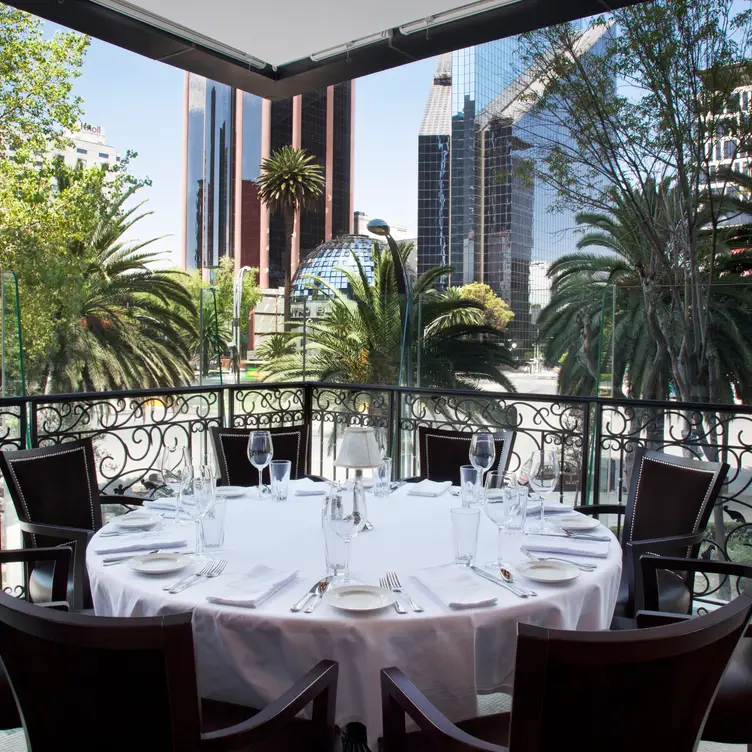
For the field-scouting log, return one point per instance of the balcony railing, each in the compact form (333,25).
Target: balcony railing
(594,437)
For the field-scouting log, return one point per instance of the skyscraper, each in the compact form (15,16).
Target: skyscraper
(228,133)
(480,207)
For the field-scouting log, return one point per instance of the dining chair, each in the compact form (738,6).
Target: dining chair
(728,721)
(92,683)
(442,453)
(60,559)
(586,691)
(669,503)
(55,494)
(231,449)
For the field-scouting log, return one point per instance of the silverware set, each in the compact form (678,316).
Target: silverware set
(393,583)
(314,595)
(212,569)
(506,581)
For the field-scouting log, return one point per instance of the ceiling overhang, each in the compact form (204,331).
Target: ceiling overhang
(319,51)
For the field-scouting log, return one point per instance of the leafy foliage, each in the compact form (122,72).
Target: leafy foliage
(497,313)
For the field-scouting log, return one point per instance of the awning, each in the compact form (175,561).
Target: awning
(277,48)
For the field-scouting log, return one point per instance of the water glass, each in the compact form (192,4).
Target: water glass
(382,478)
(465,523)
(344,517)
(213,524)
(335,548)
(280,474)
(470,485)
(543,477)
(260,453)
(382,440)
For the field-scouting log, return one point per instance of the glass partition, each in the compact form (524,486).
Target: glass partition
(13,376)
(213,358)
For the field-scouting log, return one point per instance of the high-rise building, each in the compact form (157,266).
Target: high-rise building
(227,134)
(480,207)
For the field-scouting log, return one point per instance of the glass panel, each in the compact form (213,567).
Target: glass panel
(210,348)
(13,376)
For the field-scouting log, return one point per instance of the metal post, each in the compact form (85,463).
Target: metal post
(613,340)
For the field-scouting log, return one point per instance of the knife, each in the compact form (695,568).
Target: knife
(497,581)
(576,536)
(299,605)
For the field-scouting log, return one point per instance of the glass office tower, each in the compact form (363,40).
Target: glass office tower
(480,208)
(228,133)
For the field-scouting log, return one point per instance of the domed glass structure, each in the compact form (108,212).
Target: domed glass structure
(327,260)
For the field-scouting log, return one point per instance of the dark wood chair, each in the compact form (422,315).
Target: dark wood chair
(235,469)
(442,453)
(60,560)
(668,507)
(728,721)
(586,691)
(54,490)
(75,678)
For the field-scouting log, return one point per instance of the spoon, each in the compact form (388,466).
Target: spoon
(318,595)
(507,576)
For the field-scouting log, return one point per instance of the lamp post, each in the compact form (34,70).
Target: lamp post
(381,228)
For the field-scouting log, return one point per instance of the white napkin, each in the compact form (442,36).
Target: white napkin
(308,487)
(456,587)
(572,546)
(254,587)
(141,544)
(168,505)
(551,507)
(428,488)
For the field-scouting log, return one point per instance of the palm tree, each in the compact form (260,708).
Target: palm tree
(290,182)
(359,340)
(132,321)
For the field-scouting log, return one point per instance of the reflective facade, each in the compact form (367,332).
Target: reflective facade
(228,133)
(480,208)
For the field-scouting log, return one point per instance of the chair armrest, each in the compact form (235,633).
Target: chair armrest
(597,509)
(647,619)
(399,696)
(61,556)
(319,686)
(55,605)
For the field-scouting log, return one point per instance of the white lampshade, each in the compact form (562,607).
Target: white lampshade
(359,449)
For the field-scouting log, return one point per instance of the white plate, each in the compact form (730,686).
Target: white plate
(137,521)
(160,563)
(548,571)
(359,597)
(576,522)
(231,492)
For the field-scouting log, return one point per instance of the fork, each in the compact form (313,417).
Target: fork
(398,607)
(209,566)
(215,569)
(396,586)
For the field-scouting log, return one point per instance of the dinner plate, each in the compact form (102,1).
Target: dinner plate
(548,571)
(576,522)
(359,597)
(231,492)
(137,521)
(160,563)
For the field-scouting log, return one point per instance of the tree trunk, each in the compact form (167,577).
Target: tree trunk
(289,220)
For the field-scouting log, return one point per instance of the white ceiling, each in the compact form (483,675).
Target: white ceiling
(280,31)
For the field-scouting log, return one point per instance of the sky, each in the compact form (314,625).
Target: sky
(139,104)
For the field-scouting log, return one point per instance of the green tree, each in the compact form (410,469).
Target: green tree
(359,340)
(496,313)
(290,182)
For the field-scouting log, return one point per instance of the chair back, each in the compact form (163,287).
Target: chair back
(231,448)
(669,496)
(55,485)
(92,683)
(442,453)
(647,689)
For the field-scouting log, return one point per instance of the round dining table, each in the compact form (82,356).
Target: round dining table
(251,655)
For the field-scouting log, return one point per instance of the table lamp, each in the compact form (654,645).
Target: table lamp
(359,450)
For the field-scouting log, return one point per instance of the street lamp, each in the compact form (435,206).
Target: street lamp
(381,228)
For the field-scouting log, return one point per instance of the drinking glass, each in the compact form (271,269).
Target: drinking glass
(469,485)
(542,478)
(260,453)
(465,523)
(382,440)
(345,518)
(172,464)
(213,523)
(334,546)
(500,497)
(280,470)
(482,454)
(382,485)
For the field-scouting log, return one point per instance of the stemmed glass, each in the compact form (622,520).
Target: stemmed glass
(260,453)
(542,478)
(344,516)
(172,467)
(500,494)
(482,455)
(201,501)
(382,440)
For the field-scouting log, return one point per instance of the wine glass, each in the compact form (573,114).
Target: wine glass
(260,453)
(482,454)
(172,465)
(500,496)
(382,440)
(199,501)
(344,517)
(542,478)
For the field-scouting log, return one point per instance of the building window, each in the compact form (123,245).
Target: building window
(745,100)
(79,150)
(103,155)
(718,150)
(117,159)
(729,149)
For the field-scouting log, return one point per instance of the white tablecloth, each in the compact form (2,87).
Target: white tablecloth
(251,656)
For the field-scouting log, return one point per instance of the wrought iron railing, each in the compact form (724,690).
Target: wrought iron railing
(595,437)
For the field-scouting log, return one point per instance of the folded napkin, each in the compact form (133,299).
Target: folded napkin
(456,587)
(428,488)
(254,587)
(551,507)
(168,505)
(571,546)
(308,487)
(141,544)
